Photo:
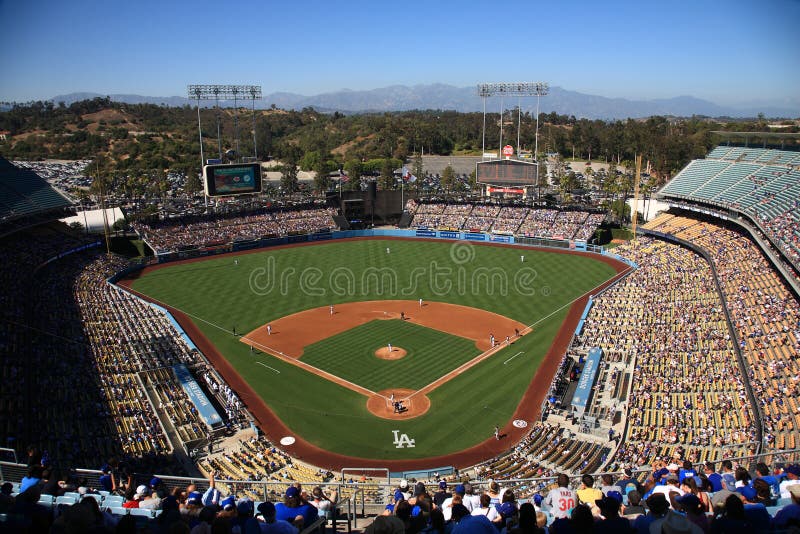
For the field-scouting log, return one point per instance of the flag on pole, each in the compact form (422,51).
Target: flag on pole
(408,177)
(343,176)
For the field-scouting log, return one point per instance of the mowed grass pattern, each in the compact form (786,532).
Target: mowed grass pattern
(219,295)
(351,355)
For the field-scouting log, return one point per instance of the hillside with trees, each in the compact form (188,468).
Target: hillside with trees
(142,139)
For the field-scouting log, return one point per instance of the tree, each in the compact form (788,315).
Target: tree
(473,180)
(558,170)
(418,168)
(353,169)
(567,183)
(448,179)
(193,184)
(289,183)
(321,181)
(387,175)
(119,225)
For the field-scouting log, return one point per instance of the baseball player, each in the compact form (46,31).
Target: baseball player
(269,329)
(390,347)
(331,308)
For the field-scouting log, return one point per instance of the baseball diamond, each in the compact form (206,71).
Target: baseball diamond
(340,419)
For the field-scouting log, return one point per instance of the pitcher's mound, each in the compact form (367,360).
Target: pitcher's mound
(381,404)
(384,354)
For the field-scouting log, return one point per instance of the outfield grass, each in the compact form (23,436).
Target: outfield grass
(269,284)
(431,354)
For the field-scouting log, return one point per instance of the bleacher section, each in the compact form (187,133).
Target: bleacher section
(686,389)
(762,183)
(23,193)
(171,235)
(94,366)
(522,221)
(766,316)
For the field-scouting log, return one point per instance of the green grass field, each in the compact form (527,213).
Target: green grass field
(351,355)
(269,284)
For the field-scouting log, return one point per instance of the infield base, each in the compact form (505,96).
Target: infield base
(380,404)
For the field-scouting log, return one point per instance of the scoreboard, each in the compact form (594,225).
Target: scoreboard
(506,172)
(232,179)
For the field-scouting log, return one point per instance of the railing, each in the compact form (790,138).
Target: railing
(357,497)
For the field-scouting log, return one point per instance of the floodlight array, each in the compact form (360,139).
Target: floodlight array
(513,89)
(223,92)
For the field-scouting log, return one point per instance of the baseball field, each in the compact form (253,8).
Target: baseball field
(303,333)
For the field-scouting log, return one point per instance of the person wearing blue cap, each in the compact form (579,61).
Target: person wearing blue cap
(441,494)
(295,510)
(509,509)
(228,504)
(457,498)
(396,498)
(792,473)
(191,509)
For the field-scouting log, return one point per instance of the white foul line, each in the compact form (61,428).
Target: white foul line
(514,356)
(618,276)
(268,367)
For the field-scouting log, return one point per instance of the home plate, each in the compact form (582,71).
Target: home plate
(287,440)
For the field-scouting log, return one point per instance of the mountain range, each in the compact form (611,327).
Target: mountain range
(466,99)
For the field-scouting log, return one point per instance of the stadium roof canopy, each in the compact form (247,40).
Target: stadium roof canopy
(24,193)
(751,135)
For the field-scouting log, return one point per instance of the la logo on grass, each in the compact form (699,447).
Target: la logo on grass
(402,440)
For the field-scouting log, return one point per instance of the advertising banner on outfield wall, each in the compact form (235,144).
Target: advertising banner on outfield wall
(323,236)
(472,236)
(425,232)
(449,234)
(500,238)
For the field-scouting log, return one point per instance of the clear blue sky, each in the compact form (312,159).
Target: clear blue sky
(726,51)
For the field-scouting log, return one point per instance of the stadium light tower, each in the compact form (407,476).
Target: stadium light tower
(215,92)
(518,89)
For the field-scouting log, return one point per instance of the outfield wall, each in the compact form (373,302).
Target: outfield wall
(423,233)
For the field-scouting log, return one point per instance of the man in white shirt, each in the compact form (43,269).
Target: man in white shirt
(562,499)
(470,500)
(447,505)
(672,486)
(792,477)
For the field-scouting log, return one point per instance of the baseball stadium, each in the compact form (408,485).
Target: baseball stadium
(474,346)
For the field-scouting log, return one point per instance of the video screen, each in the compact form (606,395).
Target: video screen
(506,172)
(232,179)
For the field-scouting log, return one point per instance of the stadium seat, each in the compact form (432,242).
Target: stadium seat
(114,501)
(140,512)
(117,510)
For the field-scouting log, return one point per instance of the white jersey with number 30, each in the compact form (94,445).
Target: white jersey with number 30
(561,502)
